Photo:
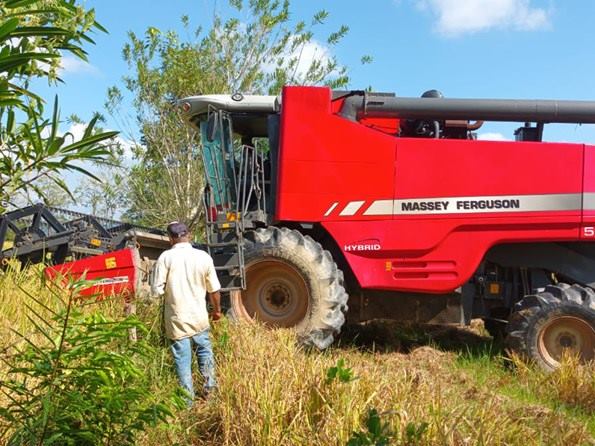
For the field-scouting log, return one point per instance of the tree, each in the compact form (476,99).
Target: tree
(34,34)
(53,195)
(257,56)
(105,198)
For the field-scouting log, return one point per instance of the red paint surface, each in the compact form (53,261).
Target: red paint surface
(119,265)
(588,229)
(326,159)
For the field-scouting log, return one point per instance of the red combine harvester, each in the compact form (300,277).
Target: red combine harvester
(391,208)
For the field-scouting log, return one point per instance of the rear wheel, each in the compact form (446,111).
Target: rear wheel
(291,282)
(559,319)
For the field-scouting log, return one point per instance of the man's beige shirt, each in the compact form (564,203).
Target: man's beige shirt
(185,274)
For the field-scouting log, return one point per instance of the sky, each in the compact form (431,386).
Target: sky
(513,49)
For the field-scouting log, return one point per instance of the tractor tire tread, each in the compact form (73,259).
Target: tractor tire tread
(325,279)
(531,311)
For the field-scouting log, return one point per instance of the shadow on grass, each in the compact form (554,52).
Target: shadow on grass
(388,336)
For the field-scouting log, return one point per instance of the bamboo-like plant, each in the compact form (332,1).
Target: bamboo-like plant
(77,378)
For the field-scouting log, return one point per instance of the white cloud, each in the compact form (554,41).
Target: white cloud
(456,17)
(492,136)
(305,54)
(127,146)
(73,65)
(310,52)
(77,130)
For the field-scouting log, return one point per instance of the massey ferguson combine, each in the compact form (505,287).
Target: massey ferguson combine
(324,204)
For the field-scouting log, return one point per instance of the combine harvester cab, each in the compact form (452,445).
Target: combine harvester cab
(118,257)
(392,208)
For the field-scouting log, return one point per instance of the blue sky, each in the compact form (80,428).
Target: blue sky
(531,49)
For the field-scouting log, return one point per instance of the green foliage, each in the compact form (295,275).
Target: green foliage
(271,392)
(377,433)
(35,150)
(414,432)
(222,341)
(78,379)
(340,373)
(104,198)
(256,49)
(34,34)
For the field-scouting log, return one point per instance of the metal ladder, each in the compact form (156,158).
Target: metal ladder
(225,244)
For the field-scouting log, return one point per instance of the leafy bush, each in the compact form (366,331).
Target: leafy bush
(78,379)
(377,433)
(339,372)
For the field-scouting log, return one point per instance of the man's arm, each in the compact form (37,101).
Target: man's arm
(160,277)
(215,299)
(213,287)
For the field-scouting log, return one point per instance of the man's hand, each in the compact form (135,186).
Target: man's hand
(215,299)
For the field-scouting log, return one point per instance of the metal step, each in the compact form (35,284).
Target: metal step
(227,268)
(221,245)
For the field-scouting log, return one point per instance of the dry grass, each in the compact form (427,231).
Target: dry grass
(272,392)
(572,385)
(14,287)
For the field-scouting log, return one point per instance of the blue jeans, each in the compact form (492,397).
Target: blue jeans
(182,352)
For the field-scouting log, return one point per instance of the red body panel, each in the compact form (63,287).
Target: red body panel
(588,229)
(361,184)
(325,158)
(115,272)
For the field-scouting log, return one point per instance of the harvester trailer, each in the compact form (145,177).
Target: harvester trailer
(324,205)
(117,256)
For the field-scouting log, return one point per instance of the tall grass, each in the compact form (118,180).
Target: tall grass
(272,392)
(571,385)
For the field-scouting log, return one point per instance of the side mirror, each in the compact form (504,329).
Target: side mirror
(212,126)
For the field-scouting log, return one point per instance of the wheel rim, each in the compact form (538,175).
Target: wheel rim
(276,293)
(566,333)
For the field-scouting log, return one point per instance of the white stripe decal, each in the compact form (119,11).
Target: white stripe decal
(589,201)
(380,207)
(112,280)
(481,204)
(352,207)
(331,209)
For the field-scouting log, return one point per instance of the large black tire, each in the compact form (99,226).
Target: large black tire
(291,281)
(545,324)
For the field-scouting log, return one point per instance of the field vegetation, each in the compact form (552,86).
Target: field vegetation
(80,372)
(381,383)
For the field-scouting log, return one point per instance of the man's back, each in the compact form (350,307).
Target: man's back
(185,275)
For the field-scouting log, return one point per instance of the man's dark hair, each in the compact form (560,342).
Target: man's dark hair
(176,229)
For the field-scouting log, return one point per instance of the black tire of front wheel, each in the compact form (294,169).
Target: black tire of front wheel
(327,303)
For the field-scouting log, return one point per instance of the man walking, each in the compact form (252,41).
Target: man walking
(185,275)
